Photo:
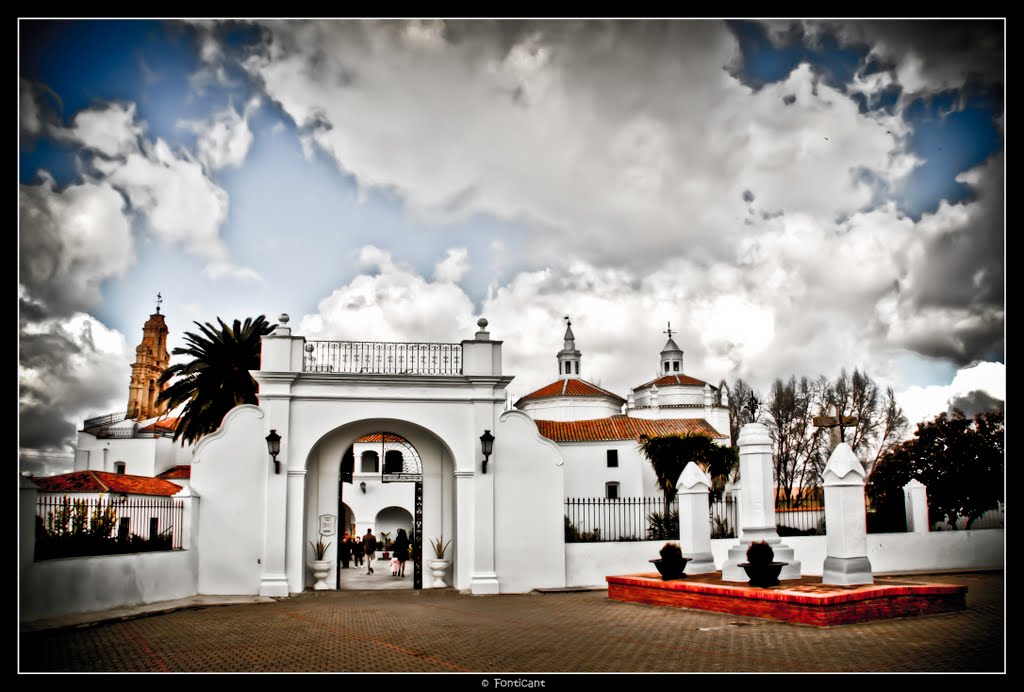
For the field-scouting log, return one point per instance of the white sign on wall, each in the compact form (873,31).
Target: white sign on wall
(328,524)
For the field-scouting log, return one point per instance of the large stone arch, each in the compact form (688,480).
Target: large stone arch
(322,467)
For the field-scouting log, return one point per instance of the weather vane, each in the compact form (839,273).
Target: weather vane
(752,404)
(159,299)
(669,330)
(568,322)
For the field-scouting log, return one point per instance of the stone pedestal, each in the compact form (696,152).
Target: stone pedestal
(694,522)
(757,506)
(846,548)
(915,496)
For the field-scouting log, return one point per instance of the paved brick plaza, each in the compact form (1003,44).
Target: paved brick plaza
(578,632)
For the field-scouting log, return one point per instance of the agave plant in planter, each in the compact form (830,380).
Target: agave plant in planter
(321,567)
(761,567)
(672,563)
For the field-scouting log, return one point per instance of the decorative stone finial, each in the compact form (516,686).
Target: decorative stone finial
(482,323)
(283,319)
(309,348)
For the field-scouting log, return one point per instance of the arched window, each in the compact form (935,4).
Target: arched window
(675,366)
(577,367)
(568,368)
(394,462)
(368,462)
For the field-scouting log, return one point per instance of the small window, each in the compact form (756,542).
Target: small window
(568,368)
(613,458)
(611,491)
(577,367)
(368,462)
(666,366)
(675,366)
(119,467)
(393,461)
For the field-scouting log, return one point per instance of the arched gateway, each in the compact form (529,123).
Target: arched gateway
(320,397)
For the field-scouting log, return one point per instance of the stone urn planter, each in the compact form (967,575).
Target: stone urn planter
(438,568)
(672,564)
(321,568)
(761,567)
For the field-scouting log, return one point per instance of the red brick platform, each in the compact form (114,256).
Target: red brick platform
(804,601)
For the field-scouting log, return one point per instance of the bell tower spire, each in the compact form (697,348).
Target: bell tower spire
(151,359)
(671,355)
(569,356)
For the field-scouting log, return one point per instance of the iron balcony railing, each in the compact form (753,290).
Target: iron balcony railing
(598,519)
(100,421)
(383,357)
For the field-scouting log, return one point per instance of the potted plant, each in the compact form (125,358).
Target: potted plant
(321,567)
(761,567)
(386,537)
(672,563)
(439,565)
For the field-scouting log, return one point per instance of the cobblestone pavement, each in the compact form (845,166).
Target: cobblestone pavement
(530,633)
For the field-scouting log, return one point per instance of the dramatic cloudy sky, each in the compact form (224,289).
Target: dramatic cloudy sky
(794,197)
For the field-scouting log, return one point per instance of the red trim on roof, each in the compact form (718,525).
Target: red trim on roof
(621,427)
(376,437)
(163,425)
(103,482)
(178,472)
(670,380)
(570,387)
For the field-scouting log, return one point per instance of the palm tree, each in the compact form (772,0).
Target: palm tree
(217,379)
(669,455)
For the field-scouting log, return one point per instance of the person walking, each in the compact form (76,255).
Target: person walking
(346,550)
(357,552)
(370,548)
(401,548)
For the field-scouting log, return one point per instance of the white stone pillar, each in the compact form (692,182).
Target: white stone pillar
(484,579)
(757,506)
(189,516)
(694,524)
(846,535)
(295,537)
(462,573)
(915,496)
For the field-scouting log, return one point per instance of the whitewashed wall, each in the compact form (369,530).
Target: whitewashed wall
(570,408)
(587,472)
(230,471)
(86,584)
(528,501)
(587,564)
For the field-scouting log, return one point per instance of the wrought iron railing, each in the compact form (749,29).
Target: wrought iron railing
(100,421)
(800,516)
(383,357)
(596,520)
(70,527)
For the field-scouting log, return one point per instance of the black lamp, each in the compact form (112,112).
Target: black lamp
(487,445)
(274,447)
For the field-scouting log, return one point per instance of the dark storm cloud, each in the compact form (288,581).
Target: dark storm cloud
(975,402)
(38,428)
(748,196)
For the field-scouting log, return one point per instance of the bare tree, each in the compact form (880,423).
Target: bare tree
(880,421)
(739,408)
(796,442)
(893,428)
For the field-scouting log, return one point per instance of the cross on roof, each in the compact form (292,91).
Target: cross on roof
(159,299)
(568,321)
(669,330)
(837,421)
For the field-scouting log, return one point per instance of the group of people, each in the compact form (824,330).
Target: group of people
(358,550)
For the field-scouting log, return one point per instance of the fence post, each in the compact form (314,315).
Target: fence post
(694,524)
(915,499)
(189,516)
(28,497)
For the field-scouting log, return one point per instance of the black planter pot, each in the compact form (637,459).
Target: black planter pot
(764,573)
(671,569)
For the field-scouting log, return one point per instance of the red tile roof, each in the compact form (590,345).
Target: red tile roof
(670,380)
(103,482)
(163,425)
(571,387)
(375,437)
(622,428)
(179,472)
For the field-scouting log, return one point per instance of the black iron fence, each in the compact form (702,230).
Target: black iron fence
(106,525)
(800,516)
(593,520)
